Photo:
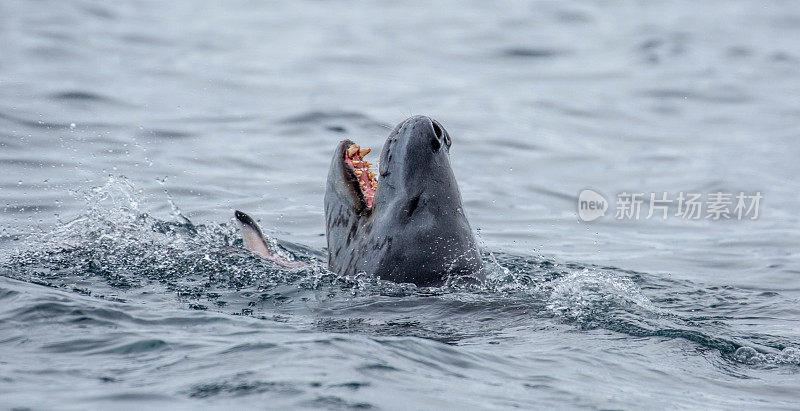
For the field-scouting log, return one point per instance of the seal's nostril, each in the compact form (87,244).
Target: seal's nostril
(437,129)
(436,144)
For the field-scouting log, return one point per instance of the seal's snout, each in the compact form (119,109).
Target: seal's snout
(426,129)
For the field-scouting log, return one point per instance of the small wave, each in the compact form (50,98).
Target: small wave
(240,386)
(323,116)
(136,347)
(750,356)
(166,134)
(41,124)
(82,96)
(529,52)
(718,95)
(333,121)
(589,297)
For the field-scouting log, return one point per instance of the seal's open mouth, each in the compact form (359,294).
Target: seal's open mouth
(354,157)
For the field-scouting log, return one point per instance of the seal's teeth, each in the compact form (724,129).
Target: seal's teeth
(374,184)
(363,183)
(367,163)
(371,175)
(358,173)
(356,163)
(351,151)
(364,151)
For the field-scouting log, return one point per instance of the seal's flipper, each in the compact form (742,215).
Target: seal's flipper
(254,241)
(252,236)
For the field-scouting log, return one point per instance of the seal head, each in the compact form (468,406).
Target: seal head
(408,225)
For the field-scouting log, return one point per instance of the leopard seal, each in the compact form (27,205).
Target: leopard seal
(408,226)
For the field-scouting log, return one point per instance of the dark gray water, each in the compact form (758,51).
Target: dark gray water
(131,130)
